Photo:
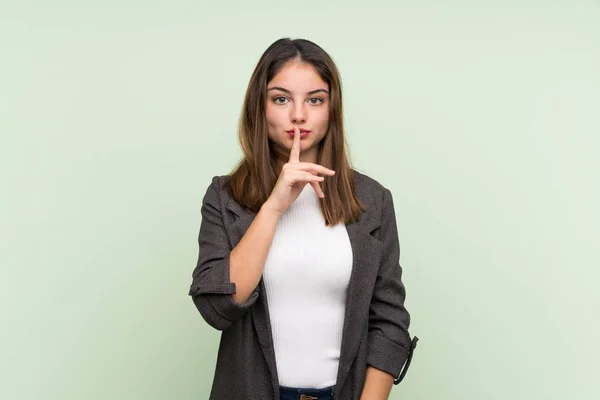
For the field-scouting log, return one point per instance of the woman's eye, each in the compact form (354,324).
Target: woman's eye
(283,100)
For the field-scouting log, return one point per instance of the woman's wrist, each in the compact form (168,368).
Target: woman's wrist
(268,208)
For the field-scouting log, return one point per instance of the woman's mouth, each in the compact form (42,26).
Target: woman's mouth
(303,133)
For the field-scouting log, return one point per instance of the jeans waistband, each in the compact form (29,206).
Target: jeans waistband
(318,394)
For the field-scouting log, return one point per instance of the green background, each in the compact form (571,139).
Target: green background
(483,118)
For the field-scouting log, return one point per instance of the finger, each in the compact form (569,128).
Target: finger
(317,188)
(312,167)
(303,176)
(295,153)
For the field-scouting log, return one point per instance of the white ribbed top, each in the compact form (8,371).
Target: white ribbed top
(306,276)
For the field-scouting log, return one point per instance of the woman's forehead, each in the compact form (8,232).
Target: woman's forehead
(298,78)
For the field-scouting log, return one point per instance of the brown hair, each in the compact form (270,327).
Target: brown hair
(254,178)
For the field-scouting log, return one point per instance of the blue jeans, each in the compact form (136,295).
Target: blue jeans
(288,393)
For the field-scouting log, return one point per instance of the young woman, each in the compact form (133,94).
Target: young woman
(298,260)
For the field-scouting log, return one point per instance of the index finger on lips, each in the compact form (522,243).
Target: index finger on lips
(295,153)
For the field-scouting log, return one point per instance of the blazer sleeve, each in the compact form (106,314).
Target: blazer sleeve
(211,287)
(390,348)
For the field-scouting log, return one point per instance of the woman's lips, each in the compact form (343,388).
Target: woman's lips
(303,133)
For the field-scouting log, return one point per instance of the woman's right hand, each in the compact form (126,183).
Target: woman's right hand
(294,176)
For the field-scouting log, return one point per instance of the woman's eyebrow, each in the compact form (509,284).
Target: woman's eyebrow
(288,92)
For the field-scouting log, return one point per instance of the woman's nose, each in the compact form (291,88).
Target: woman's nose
(298,114)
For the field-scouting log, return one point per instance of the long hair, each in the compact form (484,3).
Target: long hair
(254,178)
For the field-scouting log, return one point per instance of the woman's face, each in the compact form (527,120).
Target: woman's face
(297,97)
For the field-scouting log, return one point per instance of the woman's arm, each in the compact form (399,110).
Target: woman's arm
(378,385)
(248,258)
(222,295)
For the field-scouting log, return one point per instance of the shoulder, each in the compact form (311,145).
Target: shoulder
(370,190)
(378,199)
(366,182)
(214,191)
(217,183)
